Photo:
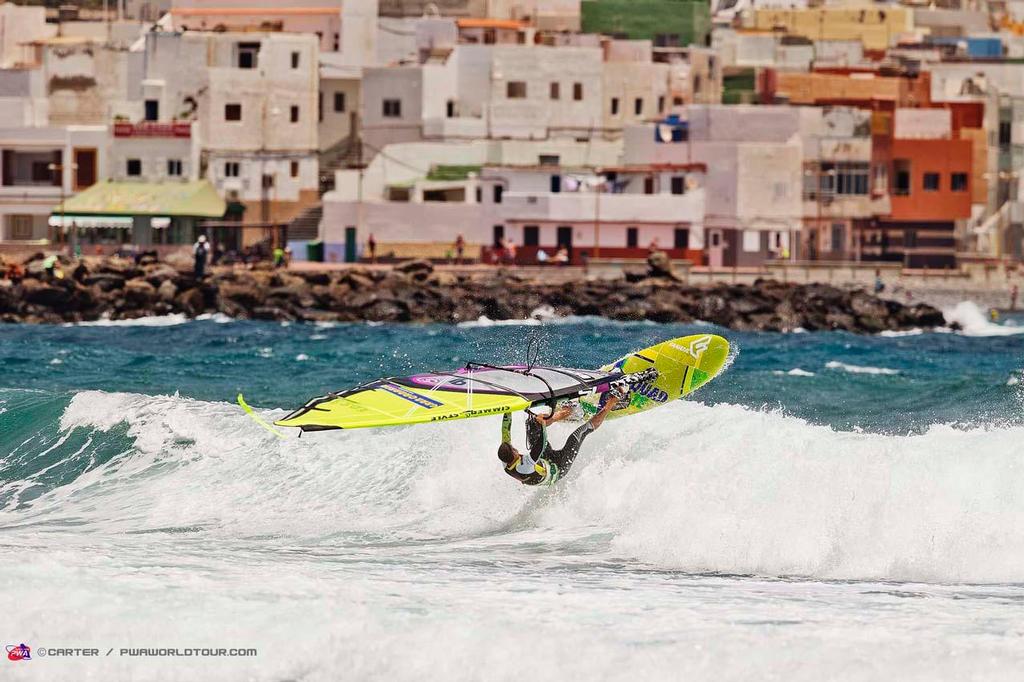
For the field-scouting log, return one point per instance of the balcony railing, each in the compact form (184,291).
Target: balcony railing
(570,206)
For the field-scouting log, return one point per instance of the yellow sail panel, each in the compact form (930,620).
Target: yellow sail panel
(389,404)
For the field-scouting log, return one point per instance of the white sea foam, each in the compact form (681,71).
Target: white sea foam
(888,333)
(151,321)
(204,524)
(795,372)
(860,369)
(974,322)
(302,357)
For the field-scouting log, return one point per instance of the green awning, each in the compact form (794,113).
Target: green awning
(197,198)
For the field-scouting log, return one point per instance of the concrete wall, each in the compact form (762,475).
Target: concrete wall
(88,83)
(19,25)
(630,81)
(335,125)
(538,115)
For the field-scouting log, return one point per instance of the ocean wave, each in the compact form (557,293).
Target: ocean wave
(795,372)
(687,487)
(860,369)
(889,333)
(974,322)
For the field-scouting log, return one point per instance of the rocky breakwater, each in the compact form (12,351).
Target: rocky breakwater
(416,292)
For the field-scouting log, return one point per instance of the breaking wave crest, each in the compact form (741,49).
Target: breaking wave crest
(687,487)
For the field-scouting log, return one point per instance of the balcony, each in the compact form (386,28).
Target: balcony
(627,208)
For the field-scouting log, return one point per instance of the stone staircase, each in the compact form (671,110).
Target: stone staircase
(306,227)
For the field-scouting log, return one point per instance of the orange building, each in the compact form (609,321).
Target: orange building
(930,189)
(932,182)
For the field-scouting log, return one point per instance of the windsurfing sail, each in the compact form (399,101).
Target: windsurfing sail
(474,391)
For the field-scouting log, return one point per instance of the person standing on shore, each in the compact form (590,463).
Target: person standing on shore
(200,251)
(460,248)
(371,246)
(1014,291)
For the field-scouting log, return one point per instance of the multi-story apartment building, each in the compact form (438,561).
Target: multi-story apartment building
(754,161)
(606,212)
(255,99)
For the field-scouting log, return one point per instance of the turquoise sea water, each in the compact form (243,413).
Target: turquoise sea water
(831,495)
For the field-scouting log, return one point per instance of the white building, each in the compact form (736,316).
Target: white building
(611,212)
(255,98)
(416,198)
(41,167)
(754,160)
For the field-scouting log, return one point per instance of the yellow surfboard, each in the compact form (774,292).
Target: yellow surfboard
(683,365)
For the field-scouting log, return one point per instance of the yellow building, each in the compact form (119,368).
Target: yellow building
(876,27)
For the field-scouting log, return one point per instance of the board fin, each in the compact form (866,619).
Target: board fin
(256,418)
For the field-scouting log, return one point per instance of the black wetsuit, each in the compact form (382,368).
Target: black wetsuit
(544,464)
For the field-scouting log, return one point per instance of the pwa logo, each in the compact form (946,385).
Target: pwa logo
(19,652)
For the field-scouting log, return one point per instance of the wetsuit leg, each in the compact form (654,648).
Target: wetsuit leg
(563,458)
(536,439)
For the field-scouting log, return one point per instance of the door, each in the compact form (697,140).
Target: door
(716,248)
(85,170)
(350,245)
(564,238)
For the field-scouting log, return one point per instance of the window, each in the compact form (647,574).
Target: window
(1005,133)
(716,239)
(21,226)
(337,42)
(498,234)
(838,237)
(515,89)
(638,106)
(958,182)
(479,194)
(231,169)
(152,110)
(174,167)
(134,167)
(661,103)
(901,177)
(852,178)
(294,114)
(681,238)
(751,241)
(615,106)
(232,112)
(339,102)
(531,235)
(248,55)
(450,108)
(548,159)
(392,108)
(295,169)
(931,182)
(577,91)
(909,239)
(678,185)
(632,237)
(649,184)
(268,181)
(554,90)
(295,60)
(498,191)
(319,107)
(667,40)
(556,184)
(677,101)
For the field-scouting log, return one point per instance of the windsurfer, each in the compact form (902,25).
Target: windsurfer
(542,464)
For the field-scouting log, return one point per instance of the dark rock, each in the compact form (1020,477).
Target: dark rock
(414,266)
(190,302)
(105,281)
(43,294)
